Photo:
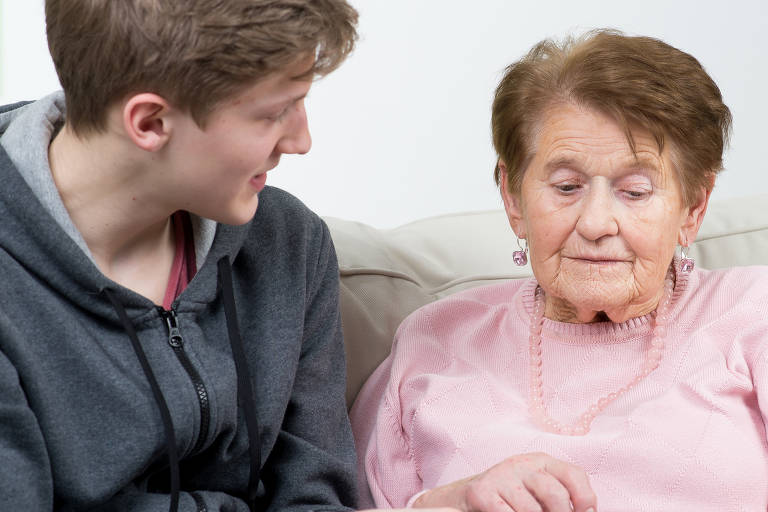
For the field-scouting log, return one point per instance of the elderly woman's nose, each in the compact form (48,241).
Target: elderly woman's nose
(596,218)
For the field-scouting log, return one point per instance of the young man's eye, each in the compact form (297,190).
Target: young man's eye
(278,116)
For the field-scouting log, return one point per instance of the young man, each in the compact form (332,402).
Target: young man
(164,343)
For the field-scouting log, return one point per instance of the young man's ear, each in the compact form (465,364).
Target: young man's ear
(511,203)
(694,214)
(146,121)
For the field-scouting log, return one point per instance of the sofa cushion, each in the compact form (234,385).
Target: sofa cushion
(388,273)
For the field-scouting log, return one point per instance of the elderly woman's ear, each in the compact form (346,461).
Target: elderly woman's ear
(695,215)
(511,203)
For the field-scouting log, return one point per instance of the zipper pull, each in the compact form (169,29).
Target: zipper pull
(174,334)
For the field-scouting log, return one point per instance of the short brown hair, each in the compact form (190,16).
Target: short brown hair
(637,81)
(194,53)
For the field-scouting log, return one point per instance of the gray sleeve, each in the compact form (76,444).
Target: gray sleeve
(25,472)
(313,464)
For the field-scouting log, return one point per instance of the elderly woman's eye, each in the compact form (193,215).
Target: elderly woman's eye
(567,188)
(636,194)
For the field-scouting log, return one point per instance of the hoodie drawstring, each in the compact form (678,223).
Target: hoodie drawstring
(165,413)
(245,393)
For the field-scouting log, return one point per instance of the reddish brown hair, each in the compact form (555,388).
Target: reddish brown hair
(638,81)
(194,53)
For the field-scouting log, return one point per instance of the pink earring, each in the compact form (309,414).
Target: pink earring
(686,263)
(520,257)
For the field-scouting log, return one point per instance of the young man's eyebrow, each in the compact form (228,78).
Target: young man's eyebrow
(283,103)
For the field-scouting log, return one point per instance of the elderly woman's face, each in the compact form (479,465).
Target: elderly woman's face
(601,222)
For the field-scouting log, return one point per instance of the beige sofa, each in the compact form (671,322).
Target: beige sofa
(387,274)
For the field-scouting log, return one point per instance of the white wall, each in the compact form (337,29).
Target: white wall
(401,131)
(26,70)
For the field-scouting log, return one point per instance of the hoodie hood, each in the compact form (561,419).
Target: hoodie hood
(26,134)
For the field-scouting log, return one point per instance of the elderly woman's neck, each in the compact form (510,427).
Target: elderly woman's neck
(560,310)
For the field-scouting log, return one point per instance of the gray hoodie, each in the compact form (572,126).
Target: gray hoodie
(108,402)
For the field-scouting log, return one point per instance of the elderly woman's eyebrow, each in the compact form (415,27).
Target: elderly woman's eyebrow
(631,164)
(560,162)
(639,163)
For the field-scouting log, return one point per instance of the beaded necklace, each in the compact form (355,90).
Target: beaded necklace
(582,425)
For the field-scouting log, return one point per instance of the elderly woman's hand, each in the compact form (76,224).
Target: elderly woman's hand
(533,482)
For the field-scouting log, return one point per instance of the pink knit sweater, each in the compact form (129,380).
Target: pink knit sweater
(451,400)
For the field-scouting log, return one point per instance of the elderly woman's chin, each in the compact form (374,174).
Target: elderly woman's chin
(586,291)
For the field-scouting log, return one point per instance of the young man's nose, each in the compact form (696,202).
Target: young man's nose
(296,138)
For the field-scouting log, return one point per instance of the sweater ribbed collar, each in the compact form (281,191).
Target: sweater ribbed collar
(633,329)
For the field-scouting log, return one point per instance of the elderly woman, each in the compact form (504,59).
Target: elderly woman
(619,374)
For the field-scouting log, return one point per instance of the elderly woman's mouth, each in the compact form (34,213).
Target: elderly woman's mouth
(598,260)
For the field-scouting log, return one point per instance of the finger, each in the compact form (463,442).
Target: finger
(520,499)
(576,481)
(548,491)
(481,496)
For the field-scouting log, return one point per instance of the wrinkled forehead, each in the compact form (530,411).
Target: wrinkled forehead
(568,131)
